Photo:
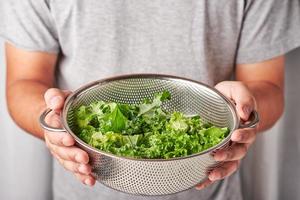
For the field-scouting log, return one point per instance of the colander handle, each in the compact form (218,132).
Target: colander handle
(252,122)
(47,127)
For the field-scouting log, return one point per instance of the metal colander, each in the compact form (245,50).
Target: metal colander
(152,176)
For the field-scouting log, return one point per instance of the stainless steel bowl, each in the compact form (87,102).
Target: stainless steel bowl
(153,176)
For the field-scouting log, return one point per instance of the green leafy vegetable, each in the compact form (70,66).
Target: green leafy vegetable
(148,106)
(145,130)
(116,120)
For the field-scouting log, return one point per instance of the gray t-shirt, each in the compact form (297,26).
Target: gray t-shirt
(197,39)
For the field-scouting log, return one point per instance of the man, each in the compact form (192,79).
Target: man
(65,44)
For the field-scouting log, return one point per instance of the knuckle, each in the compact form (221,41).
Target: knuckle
(242,151)
(244,148)
(236,165)
(244,135)
(55,118)
(48,138)
(54,148)
(56,139)
(253,131)
(231,168)
(61,152)
(250,143)
(70,166)
(64,164)
(67,140)
(239,133)
(247,135)
(223,172)
(70,155)
(230,155)
(55,121)
(251,137)
(74,167)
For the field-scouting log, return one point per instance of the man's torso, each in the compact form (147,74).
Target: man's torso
(196,39)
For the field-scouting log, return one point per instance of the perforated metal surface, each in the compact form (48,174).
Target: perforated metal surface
(145,176)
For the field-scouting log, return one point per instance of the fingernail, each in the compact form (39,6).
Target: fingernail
(83,169)
(55,100)
(88,182)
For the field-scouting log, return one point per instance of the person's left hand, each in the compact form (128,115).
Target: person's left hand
(241,138)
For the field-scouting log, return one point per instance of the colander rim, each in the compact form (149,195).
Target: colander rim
(80,90)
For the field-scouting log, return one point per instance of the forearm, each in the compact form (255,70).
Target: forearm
(25,104)
(270,102)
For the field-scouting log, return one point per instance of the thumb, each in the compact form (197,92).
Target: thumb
(55,98)
(241,95)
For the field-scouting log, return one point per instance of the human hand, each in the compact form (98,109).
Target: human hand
(61,145)
(241,138)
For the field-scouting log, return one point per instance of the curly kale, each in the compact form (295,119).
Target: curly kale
(145,130)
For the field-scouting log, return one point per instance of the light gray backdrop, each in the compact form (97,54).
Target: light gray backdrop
(270,171)
(25,165)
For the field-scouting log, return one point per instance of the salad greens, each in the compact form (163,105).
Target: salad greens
(145,130)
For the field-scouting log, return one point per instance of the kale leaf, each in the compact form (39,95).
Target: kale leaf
(145,130)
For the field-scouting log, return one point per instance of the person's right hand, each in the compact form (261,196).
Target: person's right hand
(61,145)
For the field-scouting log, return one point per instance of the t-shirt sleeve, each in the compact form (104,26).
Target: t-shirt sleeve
(270,28)
(28,24)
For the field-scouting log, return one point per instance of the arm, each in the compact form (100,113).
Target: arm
(265,81)
(29,77)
